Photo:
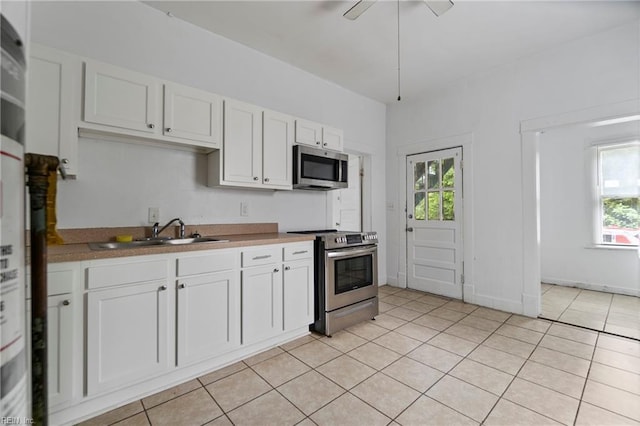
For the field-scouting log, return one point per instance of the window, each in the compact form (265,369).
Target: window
(434,192)
(618,192)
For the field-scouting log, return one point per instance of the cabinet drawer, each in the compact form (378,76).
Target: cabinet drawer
(298,251)
(261,256)
(58,282)
(126,273)
(204,264)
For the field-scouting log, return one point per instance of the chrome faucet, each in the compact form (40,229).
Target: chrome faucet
(155,232)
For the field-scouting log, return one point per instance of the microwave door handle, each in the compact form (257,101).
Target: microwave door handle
(350,253)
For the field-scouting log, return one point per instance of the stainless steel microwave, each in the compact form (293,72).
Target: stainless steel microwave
(319,169)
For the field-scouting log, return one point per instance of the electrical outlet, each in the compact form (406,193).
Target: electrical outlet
(154,214)
(244,208)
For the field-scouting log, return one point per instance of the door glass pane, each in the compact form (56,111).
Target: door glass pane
(419,176)
(448,205)
(434,174)
(434,205)
(447,173)
(419,206)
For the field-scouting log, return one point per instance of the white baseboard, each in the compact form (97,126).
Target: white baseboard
(594,287)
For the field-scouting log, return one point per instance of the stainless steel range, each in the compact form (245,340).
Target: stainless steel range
(346,279)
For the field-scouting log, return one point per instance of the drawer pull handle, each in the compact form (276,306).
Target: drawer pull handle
(266,256)
(66,302)
(300,252)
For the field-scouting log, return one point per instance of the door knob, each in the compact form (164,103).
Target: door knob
(409,229)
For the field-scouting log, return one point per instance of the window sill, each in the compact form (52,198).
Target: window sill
(612,247)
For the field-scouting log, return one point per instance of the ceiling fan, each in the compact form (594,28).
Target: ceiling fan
(438,7)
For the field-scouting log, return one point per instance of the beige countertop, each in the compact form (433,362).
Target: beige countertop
(77,247)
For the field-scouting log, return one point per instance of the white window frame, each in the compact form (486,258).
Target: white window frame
(595,178)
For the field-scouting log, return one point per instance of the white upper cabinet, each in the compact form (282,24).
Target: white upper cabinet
(332,138)
(129,103)
(242,146)
(256,149)
(308,133)
(53,104)
(319,135)
(277,142)
(121,98)
(192,114)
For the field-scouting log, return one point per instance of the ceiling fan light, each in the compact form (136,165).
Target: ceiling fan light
(358,9)
(438,7)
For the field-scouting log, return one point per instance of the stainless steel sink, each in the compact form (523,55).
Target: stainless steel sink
(112,245)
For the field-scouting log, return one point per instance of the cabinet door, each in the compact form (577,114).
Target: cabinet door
(242,143)
(127,335)
(192,114)
(261,303)
(53,104)
(208,316)
(59,353)
(121,98)
(308,133)
(298,294)
(60,328)
(277,143)
(332,138)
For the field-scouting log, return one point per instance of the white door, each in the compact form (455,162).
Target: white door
(434,222)
(346,204)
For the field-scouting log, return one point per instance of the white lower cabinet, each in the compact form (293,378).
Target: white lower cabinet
(298,294)
(261,303)
(60,346)
(126,334)
(153,321)
(61,331)
(208,316)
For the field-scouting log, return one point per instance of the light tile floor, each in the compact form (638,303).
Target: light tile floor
(425,360)
(613,313)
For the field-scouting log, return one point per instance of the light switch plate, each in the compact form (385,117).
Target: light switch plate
(244,208)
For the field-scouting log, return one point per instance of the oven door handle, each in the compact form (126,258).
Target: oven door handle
(350,252)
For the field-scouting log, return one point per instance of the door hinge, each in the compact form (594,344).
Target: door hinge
(461,164)
(461,278)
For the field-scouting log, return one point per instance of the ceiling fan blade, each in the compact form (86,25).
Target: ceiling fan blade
(438,7)
(358,9)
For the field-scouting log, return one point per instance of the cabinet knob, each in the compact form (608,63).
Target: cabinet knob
(168,129)
(324,144)
(287,268)
(266,179)
(182,285)
(151,125)
(66,302)
(65,161)
(255,178)
(164,287)
(318,143)
(276,270)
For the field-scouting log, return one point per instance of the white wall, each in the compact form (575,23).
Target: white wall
(117,182)
(567,252)
(597,70)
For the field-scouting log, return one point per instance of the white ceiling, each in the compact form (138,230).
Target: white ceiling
(361,55)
